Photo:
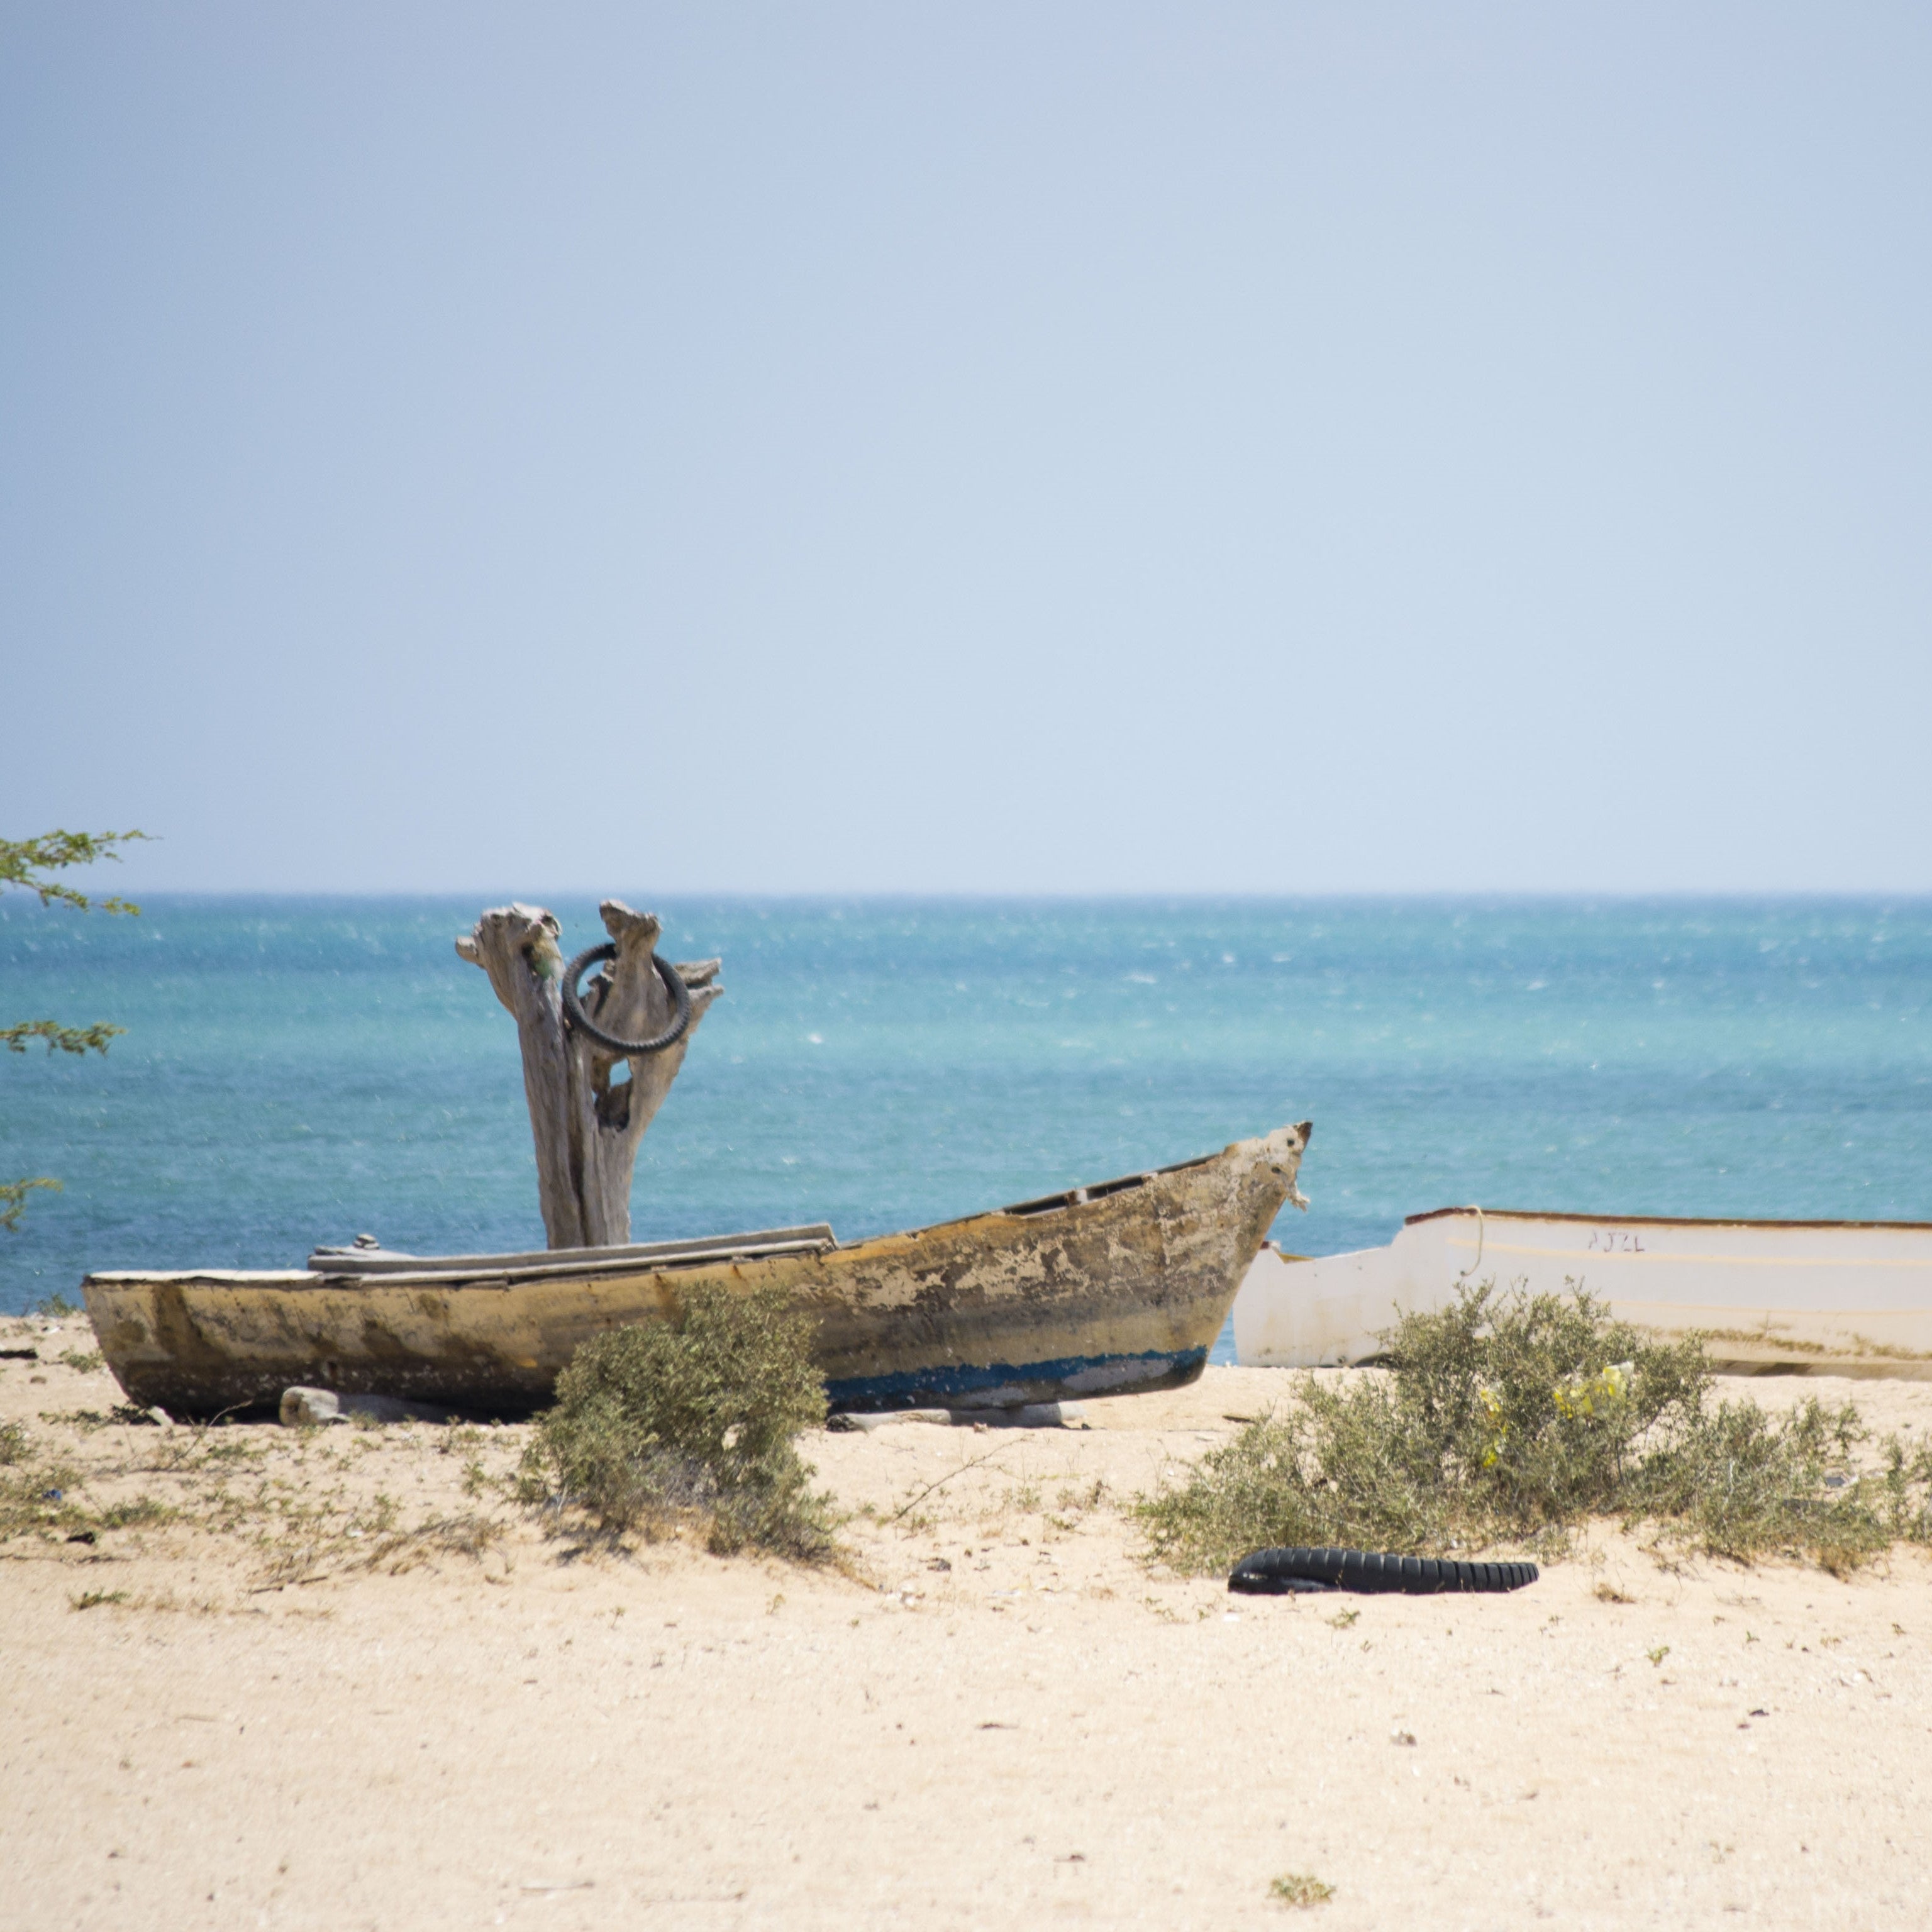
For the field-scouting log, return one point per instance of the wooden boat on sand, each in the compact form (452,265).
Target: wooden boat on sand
(1769,1297)
(1104,1290)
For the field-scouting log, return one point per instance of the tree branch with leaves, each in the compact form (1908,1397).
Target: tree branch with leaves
(26,865)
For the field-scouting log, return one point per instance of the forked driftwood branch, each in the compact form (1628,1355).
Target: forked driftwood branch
(585,1123)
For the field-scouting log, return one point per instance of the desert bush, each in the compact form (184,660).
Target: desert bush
(692,1420)
(1742,1483)
(1515,1417)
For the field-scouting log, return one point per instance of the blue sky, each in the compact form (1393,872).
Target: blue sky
(1240,448)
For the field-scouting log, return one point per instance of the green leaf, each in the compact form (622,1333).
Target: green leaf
(59,1039)
(13,1199)
(25,862)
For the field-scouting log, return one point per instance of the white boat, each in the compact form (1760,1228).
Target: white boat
(1770,1297)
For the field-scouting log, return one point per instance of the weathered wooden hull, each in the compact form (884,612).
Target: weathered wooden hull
(1770,1297)
(1108,1290)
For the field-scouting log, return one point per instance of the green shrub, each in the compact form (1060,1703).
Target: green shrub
(1515,1417)
(1741,1484)
(692,1420)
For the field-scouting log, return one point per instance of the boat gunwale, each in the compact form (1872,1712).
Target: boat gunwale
(635,1268)
(1097,1193)
(638,1269)
(1643,1220)
(386,1261)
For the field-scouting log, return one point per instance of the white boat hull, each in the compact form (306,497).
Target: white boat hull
(1828,1298)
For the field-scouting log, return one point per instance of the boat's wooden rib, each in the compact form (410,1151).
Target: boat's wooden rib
(1770,1297)
(1103,1290)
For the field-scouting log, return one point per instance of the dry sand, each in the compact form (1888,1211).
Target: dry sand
(288,1715)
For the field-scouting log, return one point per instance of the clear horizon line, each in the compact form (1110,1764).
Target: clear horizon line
(125,888)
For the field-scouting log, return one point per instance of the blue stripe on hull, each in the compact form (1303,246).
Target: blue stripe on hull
(999,1384)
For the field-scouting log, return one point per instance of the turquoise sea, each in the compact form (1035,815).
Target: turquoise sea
(298,1070)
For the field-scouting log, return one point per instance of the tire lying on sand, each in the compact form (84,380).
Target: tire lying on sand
(1276,1572)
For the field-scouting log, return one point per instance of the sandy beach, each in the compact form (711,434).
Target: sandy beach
(348,1683)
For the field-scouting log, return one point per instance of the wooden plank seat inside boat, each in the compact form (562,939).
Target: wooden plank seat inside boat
(338,1263)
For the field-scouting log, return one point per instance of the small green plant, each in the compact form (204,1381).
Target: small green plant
(82,1361)
(1301,1888)
(1515,1418)
(694,1419)
(141,1511)
(54,1307)
(1657,1655)
(90,1599)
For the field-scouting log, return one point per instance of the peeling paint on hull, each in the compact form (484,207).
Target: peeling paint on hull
(1109,1289)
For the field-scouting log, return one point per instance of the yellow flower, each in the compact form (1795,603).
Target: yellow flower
(1497,1426)
(1585,1395)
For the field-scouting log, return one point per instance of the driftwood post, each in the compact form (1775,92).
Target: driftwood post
(586,1124)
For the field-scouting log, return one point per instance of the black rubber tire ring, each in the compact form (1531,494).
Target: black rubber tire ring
(1274,1573)
(575,1017)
